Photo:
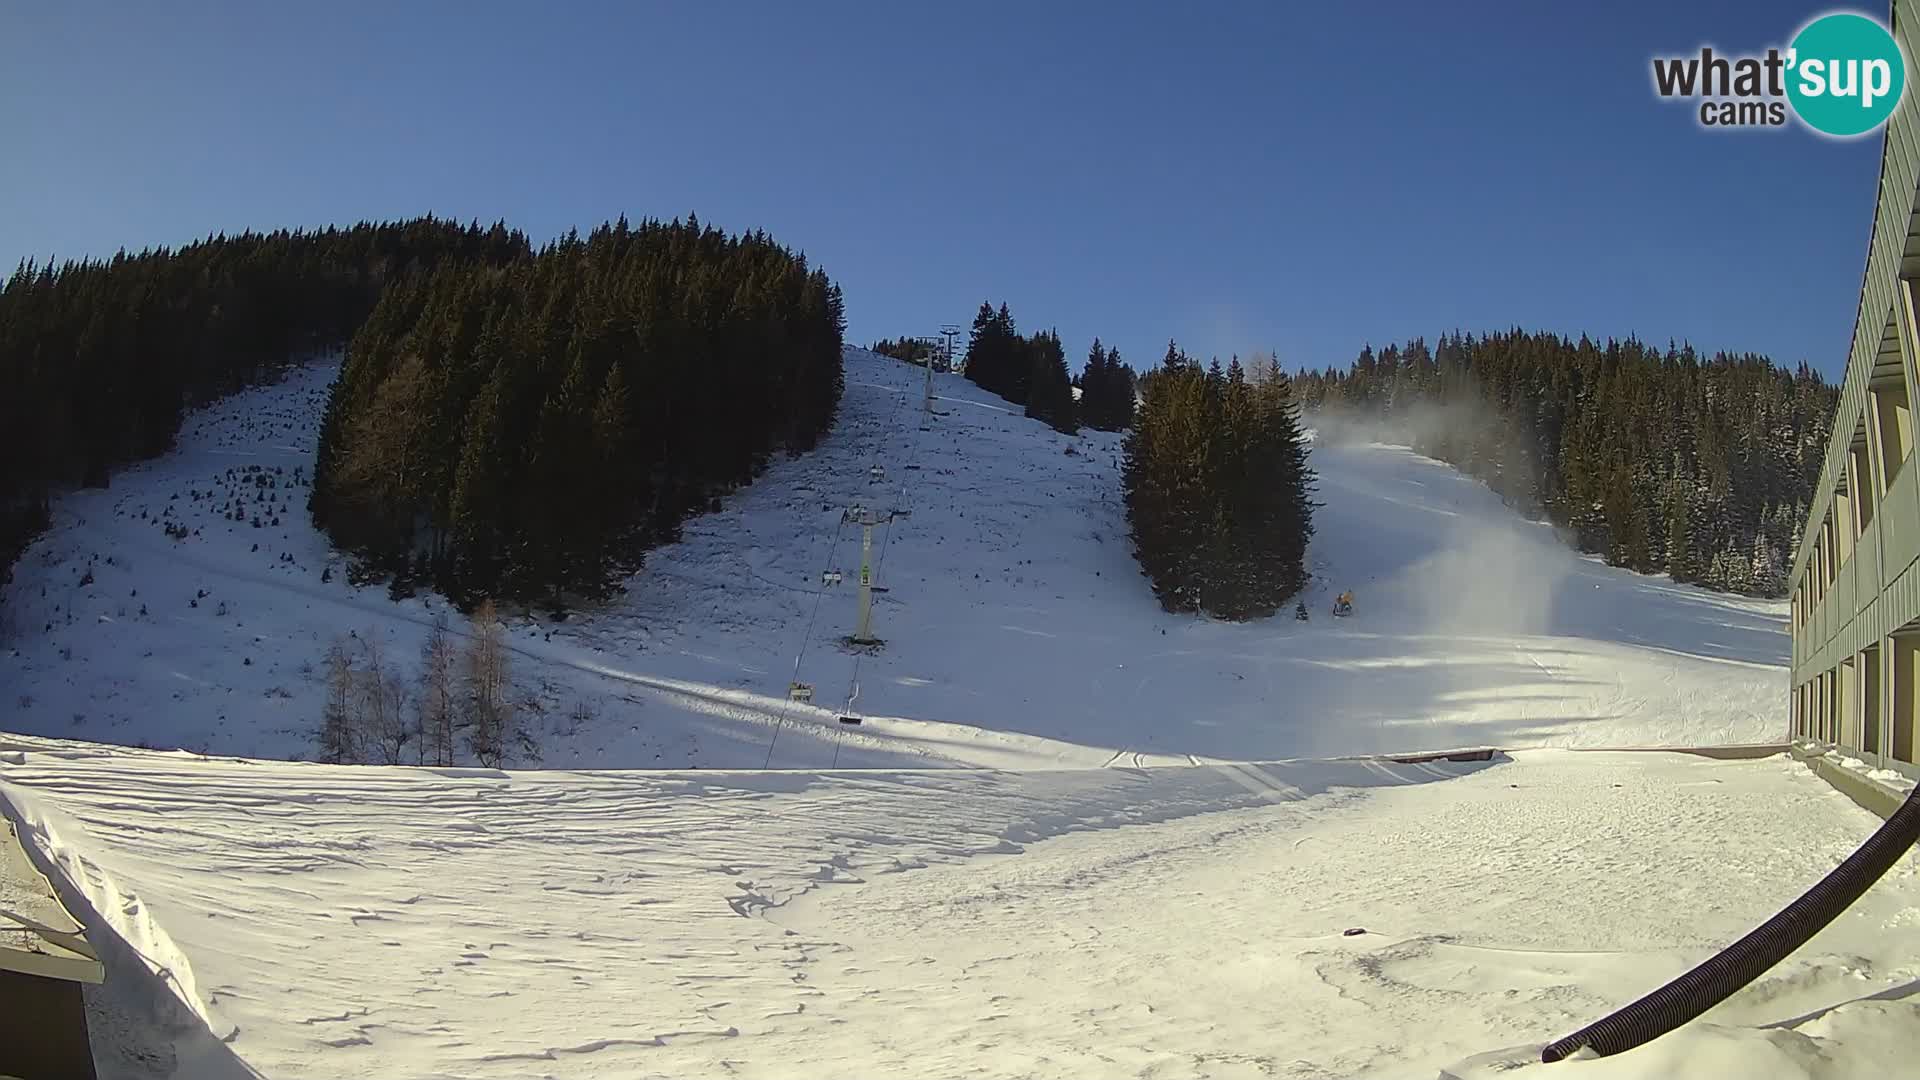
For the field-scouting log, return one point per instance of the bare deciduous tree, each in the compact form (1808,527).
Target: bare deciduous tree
(383,693)
(490,704)
(337,743)
(437,703)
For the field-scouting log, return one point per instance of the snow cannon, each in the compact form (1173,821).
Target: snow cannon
(1343,604)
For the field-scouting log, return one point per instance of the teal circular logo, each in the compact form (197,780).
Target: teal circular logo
(1845,74)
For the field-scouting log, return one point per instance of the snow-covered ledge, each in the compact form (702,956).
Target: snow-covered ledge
(1875,781)
(44,959)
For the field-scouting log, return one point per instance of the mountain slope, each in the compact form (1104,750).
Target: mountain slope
(1058,913)
(1014,618)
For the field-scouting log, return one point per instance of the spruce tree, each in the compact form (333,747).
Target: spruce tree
(1050,393)
(1107,390)
(1218,493)
(1123,391)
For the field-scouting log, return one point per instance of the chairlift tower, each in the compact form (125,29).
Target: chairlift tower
(949,331)
(863,631)
(927,401)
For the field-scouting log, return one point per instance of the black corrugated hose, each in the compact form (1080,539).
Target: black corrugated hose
(1740,963)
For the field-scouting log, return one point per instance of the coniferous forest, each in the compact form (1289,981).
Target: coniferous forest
(1217,487)
(507,423)
(100,359)
(491,392)
(1664,461)
(526,431)
(1107,390)
(912,350)
(1029,371)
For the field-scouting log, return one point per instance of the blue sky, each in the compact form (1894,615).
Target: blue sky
(1298,177)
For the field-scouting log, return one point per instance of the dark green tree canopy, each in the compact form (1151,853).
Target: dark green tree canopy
(99,359)
(1663,460)
(1218,490)
(507,422)
(527,431)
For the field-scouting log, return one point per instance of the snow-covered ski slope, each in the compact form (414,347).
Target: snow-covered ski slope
(1018,631)
(336,922)
(1063,913)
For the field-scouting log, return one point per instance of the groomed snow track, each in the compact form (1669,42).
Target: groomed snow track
(297,920)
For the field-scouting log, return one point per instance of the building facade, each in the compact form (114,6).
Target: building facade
(1856,582)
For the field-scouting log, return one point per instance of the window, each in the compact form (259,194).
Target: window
(1860,479)
(1895,416)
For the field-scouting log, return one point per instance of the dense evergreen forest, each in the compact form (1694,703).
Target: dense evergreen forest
(1665,461)
(1217,488)
(527,430)
(1108,390)
(912,350)
(1031,370)
(99,359)
(488,394)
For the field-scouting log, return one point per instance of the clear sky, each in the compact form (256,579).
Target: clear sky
(1302,177)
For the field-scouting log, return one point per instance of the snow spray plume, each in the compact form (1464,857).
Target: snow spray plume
(1473,581)
(1489,573)
(1467,433)
(1486,577)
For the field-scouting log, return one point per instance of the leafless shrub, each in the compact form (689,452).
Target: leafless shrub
(581,715)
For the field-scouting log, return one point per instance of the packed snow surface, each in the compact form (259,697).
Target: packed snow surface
(338,922)
(1018,631)
(1071,836)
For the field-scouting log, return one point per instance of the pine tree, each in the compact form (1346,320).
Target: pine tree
(1679,540)
(1218,492)
(1123,391)
(978,362)
(1107,390)
(1164,479)
(1050,393)
(1095,384)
